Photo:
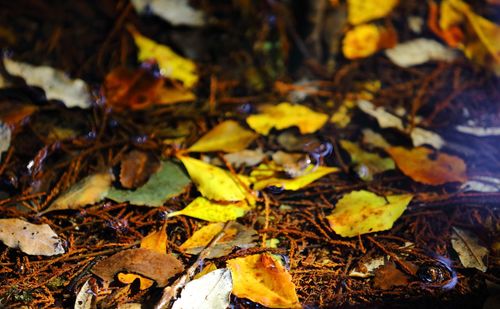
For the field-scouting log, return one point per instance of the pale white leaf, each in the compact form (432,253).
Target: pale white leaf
(176,12)
(210,291)
(419,51)
(56,84)
(85,299)
(470,252)
(32,239)
(479,131)
(482,184)
(384,118)
(5,136)
(421,136)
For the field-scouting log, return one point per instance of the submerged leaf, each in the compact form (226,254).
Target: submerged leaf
(470,252)
(263,280)
(368,164)
(429,167)
(361,11)
(235,234)
(168,181)
(285,115)
(90,190)
(207,210)
(209,291)
(227,136)
(171,64)
(361,212)
(32,239)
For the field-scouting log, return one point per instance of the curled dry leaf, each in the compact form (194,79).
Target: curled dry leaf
(168,181)
(426,166)
(207,210)
(89,190)
(209,291)
(286,115)
(145,262)
(32,239)
(361,11)
(236,235)
(136,168)
(361,212)
(470,252)
(262,279)
(227,136)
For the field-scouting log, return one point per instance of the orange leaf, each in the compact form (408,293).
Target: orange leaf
(423,165)
(263,280)
(365,40)
(145,283)
(156,241)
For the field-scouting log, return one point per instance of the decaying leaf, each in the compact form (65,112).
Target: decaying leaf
(365,40)
(227,136)
(176,12)
(135,169)
(361,212)
(361,11)
(86,297)
(263,280)
(236,235)
(367,269)
(210,291)
(388,276)
(374,139)
(213,183)
(148,263)
(207,210)
(285,115)
(470,252)
(420,51)
(56,84)
(87,191)
(368,164)
(5,136)
(168,181)
(426,166)
(246,157)
(32,239)
(171,64)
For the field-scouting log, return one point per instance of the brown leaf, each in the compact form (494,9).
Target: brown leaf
(148,263)
(136,168)
(423,165)
(388,276)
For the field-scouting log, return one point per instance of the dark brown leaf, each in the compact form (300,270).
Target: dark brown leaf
(136,168)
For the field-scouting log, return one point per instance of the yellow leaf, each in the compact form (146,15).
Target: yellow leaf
(171,64)
(156,241)
(227,136)
(426,166)
(361,11)
(368,164)
(361,212)
(342,116)
(488,33)
(213,183)
(285,115)
(263,280)
(207,210)
(295,183)
(145,283)
(208,268)
(365,40)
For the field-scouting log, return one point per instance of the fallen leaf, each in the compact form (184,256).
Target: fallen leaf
(88,191)
(361,11)
(210,291)
(313,173)
(263,280)
(56,84)
(5,137)
(144,283)
(481,184)
(86,297)
(207,210)
(361,212)
(419,51)
(168,181)
(470,252)
(32,239)
(157,266)
(171,64)
(227,136)
(213,183)
(368,164)
(285,115)
(176,12)
(388,276)
(342,116)
(479,131)
(426,166)
(374,139)
(365,40)
(207,268)
(245,157)
(236,235)
(135,169)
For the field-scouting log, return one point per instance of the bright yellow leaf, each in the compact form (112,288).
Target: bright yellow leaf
(365,40)
(171,64)
(208,268)
(227,136)
(145,283)
(296,183)
(207,210)
(361,11)
(361,212)
(285,115)
(263,280)
(213,182)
